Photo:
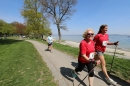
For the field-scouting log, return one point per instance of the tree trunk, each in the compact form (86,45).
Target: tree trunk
(59,33)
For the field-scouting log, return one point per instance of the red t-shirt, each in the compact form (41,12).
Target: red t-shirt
(99,40)
(85,48)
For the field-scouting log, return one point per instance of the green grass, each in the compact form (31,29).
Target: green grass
(16,37)
(116,53)
(121,67)
(21,65)
(66,49)
(13,37)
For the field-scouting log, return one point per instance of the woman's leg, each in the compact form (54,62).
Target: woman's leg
(103,66)
(90,80)
(79,68)
(90,77)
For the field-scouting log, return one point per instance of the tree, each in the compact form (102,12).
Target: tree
(20,28)
(12,29)
(58,11)
(6,29)
(3,28)
(31,15)
(33,18)
(2,24)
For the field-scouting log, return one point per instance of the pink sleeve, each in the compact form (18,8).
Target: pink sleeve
(82,48)
(96,38)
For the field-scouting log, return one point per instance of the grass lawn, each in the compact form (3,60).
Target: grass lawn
(116,53)
(21,65)
(121,67)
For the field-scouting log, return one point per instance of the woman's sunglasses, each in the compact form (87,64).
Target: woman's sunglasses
(90,34)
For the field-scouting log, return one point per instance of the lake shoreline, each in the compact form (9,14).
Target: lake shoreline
(108,49)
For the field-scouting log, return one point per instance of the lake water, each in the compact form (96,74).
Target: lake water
(124,40)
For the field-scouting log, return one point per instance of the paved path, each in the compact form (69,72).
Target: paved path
(61,65)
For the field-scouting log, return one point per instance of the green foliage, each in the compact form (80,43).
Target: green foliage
(21,65)
(2,25)
(35,22)
(6,28)
(12,29)
(46,31)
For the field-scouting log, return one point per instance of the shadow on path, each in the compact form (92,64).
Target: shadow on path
(85,69)
(102,77)
(115,78)
(66,72)
(46,50)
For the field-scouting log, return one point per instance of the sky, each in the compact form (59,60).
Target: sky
(89,14)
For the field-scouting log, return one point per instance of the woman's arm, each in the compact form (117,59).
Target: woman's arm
(85,57)
(112,43)
(97,62)
(83,50)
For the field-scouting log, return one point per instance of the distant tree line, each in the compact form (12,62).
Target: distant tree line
(36,14)
(14,28)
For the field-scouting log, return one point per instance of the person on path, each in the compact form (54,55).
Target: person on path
(50,41)
(101,41)
(86,55)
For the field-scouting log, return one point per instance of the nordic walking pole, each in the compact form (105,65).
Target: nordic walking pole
(113,57)
(87,75)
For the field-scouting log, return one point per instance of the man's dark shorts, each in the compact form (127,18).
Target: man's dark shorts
(49,44)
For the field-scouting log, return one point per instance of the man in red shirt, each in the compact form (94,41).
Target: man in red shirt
(86,53)
(101,41)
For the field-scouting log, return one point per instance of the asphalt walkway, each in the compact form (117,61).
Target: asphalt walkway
(61,65)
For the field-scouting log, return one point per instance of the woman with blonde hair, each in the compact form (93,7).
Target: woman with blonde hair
(86,55)
(101,40)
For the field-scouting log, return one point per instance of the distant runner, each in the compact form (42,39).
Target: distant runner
(50,41)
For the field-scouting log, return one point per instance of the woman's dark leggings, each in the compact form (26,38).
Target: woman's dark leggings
(89,67)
